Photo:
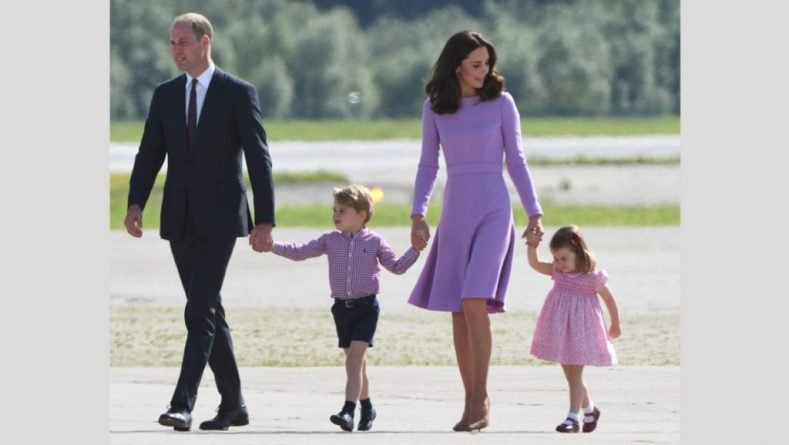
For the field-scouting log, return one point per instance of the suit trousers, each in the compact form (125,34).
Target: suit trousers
(202,263)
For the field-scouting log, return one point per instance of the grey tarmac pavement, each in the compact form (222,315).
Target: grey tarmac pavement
(643,264)
(416,405)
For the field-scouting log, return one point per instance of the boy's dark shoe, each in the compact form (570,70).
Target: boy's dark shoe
(343,419)
(366,421)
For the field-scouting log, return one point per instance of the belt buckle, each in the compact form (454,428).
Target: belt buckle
(348,303)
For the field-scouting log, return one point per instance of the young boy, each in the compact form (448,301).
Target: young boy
(354,256)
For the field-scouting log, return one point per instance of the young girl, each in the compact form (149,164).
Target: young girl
(571,329)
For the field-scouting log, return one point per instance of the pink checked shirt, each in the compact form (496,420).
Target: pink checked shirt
(353,260)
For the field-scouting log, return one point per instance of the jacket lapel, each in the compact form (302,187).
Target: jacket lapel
(212,98)
(178,110)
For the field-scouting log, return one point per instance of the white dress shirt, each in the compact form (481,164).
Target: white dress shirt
(203,81)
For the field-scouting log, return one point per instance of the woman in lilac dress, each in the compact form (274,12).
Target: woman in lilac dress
(476,123)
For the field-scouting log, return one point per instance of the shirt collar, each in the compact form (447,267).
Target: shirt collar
(349,235)
(203,79)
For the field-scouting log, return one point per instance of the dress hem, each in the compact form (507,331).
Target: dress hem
(491,308)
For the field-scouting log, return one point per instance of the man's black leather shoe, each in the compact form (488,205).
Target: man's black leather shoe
(366,421)
(178,418)
(226,418)
(343,419)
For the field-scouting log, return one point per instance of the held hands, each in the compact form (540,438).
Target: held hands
(133,221)
(533,232)
(261,238)
(420,233)
(532,238)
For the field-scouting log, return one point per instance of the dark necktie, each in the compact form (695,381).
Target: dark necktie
(191,116)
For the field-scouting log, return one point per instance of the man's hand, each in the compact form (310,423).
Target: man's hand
(133,221)
(261,238)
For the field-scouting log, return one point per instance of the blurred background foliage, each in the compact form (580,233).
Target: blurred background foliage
(368,59)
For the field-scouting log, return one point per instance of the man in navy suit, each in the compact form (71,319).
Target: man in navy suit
(202,121)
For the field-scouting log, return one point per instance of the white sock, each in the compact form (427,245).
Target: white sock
(570,415)
(588,411)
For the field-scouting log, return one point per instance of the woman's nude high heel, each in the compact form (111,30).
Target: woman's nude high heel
(463,424)
(484,421)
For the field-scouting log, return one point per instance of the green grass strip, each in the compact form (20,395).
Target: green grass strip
(387,215)
(119,190)
(398,214)
(382,129)
(540,161)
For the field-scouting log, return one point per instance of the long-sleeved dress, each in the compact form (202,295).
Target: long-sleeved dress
(472,249)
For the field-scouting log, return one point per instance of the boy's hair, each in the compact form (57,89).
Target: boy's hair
(356,196)
(571,238)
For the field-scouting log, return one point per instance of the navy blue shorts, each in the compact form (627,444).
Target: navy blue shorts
(355,319)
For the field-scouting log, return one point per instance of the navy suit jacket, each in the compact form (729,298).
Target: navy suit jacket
(206,180)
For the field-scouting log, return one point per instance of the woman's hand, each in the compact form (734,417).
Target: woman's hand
(532,239)
(535,226)
(420,232)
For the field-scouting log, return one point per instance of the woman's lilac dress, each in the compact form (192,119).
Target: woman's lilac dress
(472,248)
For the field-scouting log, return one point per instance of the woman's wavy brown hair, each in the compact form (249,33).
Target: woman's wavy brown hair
(443,89)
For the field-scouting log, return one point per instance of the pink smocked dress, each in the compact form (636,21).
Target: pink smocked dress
(571,329)
(472,249)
